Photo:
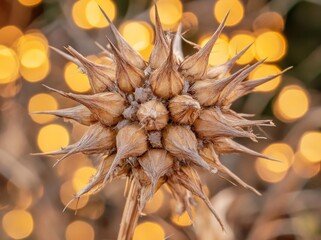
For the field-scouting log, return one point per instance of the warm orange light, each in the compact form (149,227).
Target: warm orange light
(238,43)
(33,58)
(183,219)
(310,146)
(52,137)
(304,167)
(42,102)
(219,53)
(269,21)
(32,40)
(265,70)
(66,194)
(291,104)
(145,53)
(155,203)
(149,230)
(189,20)
(170,13)
(75,79)
(79,14)
(138,34)
(17,224)
(270,45)
(236,11)
(9,34)
(267,175)
(80,230)
(82,176)
(9,67)
(30,3)
(36,74)
(279,151)
(94,15)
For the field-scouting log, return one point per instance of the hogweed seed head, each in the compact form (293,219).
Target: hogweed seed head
(154,122)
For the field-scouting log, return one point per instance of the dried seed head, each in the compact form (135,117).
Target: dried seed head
(184,109)
(210,125)
(182,143)
(161,47)
(131,141)
(156,163)
(129,77)
(153,115)
(101,77)
(107,107)
(195,67)
(166,81)
(80,114)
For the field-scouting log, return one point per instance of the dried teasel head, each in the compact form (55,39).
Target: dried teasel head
(157,122)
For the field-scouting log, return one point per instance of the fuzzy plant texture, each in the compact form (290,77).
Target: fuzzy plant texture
(156,122)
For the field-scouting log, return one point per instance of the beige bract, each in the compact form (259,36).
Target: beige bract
(156,122)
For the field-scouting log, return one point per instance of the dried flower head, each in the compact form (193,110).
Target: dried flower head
(154,122)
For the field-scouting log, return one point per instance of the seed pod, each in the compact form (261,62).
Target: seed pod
(97,139)
(195,67)
(166,81)
(156,163)
(101,77)
(209,126)
(189,179)
(218,72)
(131,141)
(184,109)
(209,155)
(161,47)
(207,92)
(130,55)
(80,114)
(182,143)
(153,115)
(107,107)
(129,77)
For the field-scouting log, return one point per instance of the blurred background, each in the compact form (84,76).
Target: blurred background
(33,194)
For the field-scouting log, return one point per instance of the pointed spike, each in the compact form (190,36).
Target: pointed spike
(218,72)
(195,67)
(79,113)
(68,57)
(177,47)
(131,55)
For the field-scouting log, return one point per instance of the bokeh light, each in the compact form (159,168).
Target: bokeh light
(220,52)
(75,79)
(265,70)
(58,138)
(9,34)
(268,21)
(236,11)
(183,219)
(304,167)
(30,3)
(138,34)
(9,67)
(270,45)
(189,20)
(82,176)
(42,102)
(17,224)
(67,192)
(237,43)
(279,151)
(79,14)
(310,146)
(94,15)
(170,13)
(36,74)
(155,203)
(80,230)
(291,103)
(149,230)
